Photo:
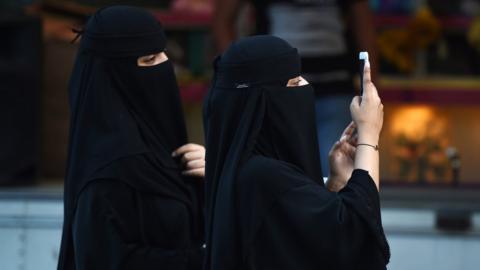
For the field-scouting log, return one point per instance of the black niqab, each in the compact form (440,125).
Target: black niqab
(250,113)
(250,89)
(125,120)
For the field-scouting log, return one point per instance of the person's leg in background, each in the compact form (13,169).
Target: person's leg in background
(332,116)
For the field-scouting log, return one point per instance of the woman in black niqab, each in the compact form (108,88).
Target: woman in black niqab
(267,206)
(127,203)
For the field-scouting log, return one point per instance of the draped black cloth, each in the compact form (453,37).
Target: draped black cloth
(267,206)
(125,122)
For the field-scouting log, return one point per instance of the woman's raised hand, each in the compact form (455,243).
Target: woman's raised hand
(367,111)
(342,158)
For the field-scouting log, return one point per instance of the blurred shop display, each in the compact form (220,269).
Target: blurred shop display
(430,62)
(399,47)
(20,81)
(428,37)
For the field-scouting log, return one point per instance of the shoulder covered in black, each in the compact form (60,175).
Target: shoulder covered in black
(270,175)
(106,190)
(108,186)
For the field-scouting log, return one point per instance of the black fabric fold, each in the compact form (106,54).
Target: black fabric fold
(290,222)
(127,36)
(361,194)
(269,70)
(109,225)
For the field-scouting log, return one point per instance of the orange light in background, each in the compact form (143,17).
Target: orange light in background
(419,140)
(416,122)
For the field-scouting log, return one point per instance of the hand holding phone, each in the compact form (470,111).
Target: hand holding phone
(363,58)
(367,109)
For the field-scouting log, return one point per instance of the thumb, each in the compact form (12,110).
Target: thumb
(355,104)
(351,150)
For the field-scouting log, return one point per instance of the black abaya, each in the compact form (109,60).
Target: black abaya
(267,206)
(118,227)
(301,225)
(123,189)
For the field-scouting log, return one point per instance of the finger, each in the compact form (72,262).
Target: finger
(351,150)
(335,147)
(195,164)
(189,147)
(367,78)
(347,148)
(353,140)
(369,89)
(193,155)
(195,172)
(350,139)
(349,130)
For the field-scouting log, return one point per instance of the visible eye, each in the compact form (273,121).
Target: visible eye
(150,58)
(297,81)
(147,59)
(294,82)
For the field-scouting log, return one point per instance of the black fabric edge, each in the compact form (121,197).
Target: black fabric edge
(361,186)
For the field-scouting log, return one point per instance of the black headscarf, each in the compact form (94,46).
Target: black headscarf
(125,119)
(249,110)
